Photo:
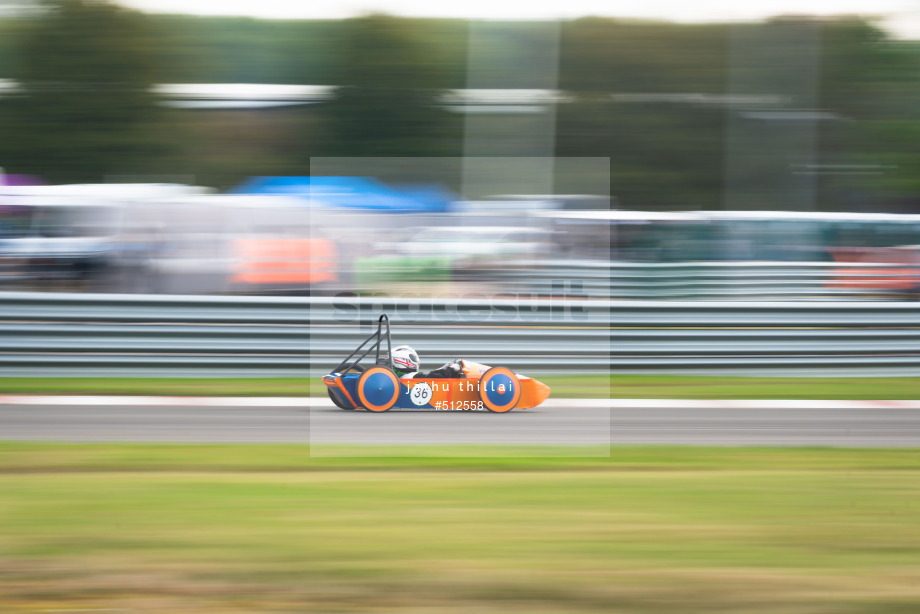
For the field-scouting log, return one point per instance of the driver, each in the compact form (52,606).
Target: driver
(406,363)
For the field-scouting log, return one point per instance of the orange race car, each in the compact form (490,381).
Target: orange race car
(378,388)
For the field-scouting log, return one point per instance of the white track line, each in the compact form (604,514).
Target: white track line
(552,403)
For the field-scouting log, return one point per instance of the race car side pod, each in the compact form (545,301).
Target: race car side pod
(388,362)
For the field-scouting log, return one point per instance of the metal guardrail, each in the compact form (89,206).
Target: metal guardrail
(78,335)
(713,280)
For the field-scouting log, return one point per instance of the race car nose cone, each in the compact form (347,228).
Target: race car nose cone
(541,392)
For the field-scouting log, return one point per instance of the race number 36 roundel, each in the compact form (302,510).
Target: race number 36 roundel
(499,389)
(378,389)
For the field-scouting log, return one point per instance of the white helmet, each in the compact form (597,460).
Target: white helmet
(405,360)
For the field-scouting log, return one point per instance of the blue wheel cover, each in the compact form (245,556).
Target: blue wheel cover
(500,389)
(379,388)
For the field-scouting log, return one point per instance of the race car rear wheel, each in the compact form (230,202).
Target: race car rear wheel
(378,389)
(336,402)
(499,389)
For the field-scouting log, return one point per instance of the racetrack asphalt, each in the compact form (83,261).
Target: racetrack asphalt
(558,421)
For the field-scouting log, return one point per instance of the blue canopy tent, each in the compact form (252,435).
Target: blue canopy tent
(434,196)
(344,192)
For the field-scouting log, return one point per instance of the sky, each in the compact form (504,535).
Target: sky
(901,17)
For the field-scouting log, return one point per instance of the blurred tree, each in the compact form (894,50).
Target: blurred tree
(11,31)
(663,155)
(876,82)
(195,49)
(665,145)
(387,102)
(86,108)
(671,153)
(610,56)
(87,112)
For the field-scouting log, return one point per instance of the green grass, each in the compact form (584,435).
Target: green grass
(233,529)
(574,386)
(243,387)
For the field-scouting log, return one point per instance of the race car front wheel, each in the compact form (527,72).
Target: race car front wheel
(499,389)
